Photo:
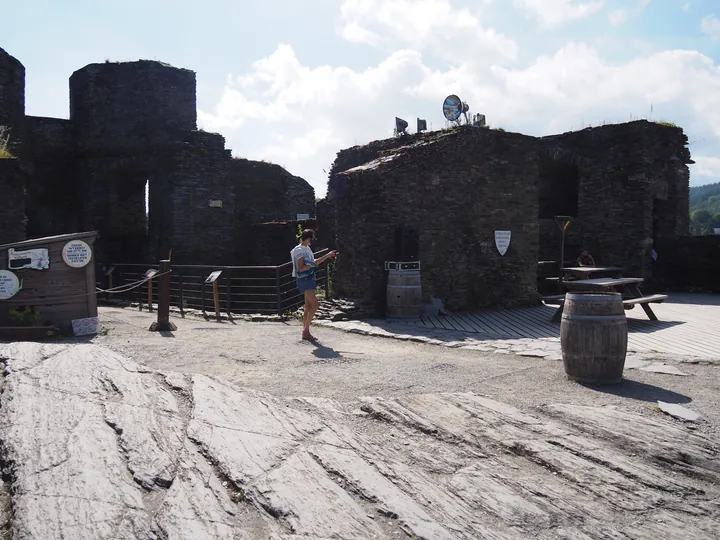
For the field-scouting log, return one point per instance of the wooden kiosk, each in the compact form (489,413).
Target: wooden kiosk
(47,286)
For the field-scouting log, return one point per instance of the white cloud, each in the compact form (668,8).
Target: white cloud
(711,27)
(707,167)
(619,16)
(424,25)
(687,6)
(300,116)
(556,12)
(576,87)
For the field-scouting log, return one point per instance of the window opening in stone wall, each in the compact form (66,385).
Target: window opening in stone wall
(126,213)
(558,189)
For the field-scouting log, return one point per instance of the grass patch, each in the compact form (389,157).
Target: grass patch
(664,123)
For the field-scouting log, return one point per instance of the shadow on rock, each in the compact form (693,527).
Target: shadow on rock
(640,391)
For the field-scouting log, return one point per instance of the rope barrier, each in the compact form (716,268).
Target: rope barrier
(115,290)
(129,286)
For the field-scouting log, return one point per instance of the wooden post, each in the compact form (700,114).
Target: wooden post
(109,281)
(563,222)
(279,293)
(213,279)
(163,323)
(182,297)
(327,281)
(216,300)
(228,299)
(562,257)
(150,295)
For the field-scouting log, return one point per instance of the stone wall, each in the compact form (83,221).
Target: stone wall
(689,263)
(357,155)
(53,196)
(266,192)
(12,209)
(270,243)
(117,107)
(325,224)
(631,185)
(12,99)
(457,187)
(199,233)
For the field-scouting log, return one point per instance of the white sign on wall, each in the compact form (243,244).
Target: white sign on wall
(9,284)
(303,217)
(37,259)
(76,254)
(502,241)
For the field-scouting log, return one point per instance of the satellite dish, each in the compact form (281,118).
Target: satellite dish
(453,107)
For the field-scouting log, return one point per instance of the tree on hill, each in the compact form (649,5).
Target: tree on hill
(704,209)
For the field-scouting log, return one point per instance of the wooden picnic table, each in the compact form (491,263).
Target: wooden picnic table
(627,286)
(588,271)
(571,273)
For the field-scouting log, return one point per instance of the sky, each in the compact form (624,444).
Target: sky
(294,82)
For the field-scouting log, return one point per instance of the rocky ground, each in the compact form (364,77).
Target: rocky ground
(243,431)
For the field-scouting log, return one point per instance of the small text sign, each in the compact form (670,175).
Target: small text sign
(77,254)
(502,241)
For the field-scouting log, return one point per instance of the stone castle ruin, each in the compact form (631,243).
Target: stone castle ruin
(626,186)
(132,129)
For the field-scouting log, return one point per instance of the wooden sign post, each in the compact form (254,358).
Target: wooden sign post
(163,320)
(149,275)
(563,222)
(109,275)
(213,278)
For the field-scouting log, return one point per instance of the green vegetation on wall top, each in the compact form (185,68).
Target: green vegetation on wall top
(4,143)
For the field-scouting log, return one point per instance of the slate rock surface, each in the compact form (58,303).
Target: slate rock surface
(95,446)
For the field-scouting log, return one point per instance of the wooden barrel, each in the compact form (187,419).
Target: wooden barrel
(593,336)
(404,294)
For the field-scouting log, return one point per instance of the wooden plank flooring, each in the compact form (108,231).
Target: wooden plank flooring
(689,325)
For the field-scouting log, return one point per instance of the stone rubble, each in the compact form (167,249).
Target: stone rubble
(679,412)
(340,310)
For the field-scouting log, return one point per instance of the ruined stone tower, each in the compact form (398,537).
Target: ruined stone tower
(132,136)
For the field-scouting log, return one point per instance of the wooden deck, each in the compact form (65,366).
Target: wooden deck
(689,325)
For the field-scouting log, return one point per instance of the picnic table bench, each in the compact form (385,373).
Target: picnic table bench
(628,286)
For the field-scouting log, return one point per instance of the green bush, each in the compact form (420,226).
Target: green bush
(5,143)
(23,316)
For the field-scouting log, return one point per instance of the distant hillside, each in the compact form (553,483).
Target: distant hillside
(704,209)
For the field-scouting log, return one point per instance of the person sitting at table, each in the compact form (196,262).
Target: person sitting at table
(585,259)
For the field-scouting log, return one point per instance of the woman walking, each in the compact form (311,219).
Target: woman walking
(304,264)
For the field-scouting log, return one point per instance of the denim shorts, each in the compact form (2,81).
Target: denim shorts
(306,284)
